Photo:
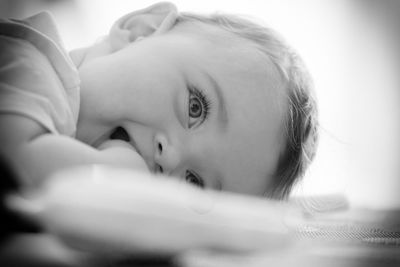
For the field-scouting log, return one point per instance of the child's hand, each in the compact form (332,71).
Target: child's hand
(123,154)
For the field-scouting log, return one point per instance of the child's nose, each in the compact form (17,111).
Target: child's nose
(166,156)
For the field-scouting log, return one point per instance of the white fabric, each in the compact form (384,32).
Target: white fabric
(37,78)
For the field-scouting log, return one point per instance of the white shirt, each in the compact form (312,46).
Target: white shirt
(37,77)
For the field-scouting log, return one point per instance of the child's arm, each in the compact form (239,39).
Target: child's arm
(38,154)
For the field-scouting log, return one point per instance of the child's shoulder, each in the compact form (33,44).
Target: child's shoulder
(37,77)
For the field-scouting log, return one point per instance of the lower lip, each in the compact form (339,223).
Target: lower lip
(100,140)
(107,136)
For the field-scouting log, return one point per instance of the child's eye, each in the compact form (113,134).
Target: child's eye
(198,107)
(194,179)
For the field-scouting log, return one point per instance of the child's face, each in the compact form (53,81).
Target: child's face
(196,102)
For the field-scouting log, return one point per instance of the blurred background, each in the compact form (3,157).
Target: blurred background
(352,50)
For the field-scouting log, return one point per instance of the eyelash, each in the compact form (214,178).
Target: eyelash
(205,111)
(198,182)
(204,101)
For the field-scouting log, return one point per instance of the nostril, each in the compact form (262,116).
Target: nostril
(160,148)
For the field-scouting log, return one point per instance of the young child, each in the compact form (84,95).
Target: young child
(214,100)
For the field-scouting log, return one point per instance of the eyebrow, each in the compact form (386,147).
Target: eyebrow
(222,112)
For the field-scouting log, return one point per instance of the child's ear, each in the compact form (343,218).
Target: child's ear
(155,19)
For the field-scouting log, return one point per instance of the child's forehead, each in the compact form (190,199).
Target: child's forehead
(220,43)
(226,56)
(245,63)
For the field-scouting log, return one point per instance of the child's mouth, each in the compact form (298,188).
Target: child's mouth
(120,133)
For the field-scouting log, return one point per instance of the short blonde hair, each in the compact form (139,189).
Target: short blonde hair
(301,118)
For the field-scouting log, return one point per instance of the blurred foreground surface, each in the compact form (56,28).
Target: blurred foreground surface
(335,238)
(328,233)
